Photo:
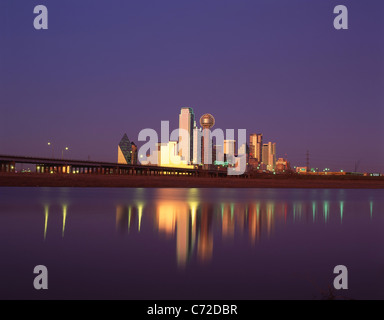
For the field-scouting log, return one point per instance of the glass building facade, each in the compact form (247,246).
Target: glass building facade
(186,123)
(124,150)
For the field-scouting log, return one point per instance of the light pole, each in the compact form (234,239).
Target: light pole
(62,152)
(50,145)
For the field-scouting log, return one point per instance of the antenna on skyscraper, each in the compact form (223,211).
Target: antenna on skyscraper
(308,169)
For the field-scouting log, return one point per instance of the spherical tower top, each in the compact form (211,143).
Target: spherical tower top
(207,121)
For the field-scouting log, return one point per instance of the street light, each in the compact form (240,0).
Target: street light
(62,152)
(50,145)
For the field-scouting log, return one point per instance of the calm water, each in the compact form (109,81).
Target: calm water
(190,243)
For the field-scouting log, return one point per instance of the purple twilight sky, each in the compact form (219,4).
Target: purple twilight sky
(105,68)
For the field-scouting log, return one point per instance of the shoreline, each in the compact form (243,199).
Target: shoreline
(126,181)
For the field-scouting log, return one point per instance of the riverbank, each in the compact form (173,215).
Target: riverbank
(124,181)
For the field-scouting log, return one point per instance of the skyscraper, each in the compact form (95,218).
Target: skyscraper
(265,151)
(197,136)
(218,154)
(229,151)
(186,126)
(256,146)
(269,155)
(124,151)
(134,153)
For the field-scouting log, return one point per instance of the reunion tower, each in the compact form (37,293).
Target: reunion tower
(207,121)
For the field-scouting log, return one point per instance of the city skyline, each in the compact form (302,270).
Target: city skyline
(305,86)
(183,151)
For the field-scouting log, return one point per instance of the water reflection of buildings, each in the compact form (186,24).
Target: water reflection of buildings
(127,216)
(193,224)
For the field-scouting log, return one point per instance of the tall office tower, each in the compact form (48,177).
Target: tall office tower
(186,123)
(197,135)
(243,150)
(230,147)
(229,151)
(269,155)
(134,153)
(252,145)
(256,146)
(124,151)
(207,121)
(218,154)
(272,155)
(265,152)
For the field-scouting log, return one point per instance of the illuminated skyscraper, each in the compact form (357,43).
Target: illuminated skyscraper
(197,136)
(218,154)
(134,153)
(243,149)
(269,155)
(186,125)
(167,156)
(124,151)
(256,146)
(229,151)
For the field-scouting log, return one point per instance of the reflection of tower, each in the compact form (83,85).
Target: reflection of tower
(121,219)
(228,223)
(166,217)
(177,217)
(270,206)
(205,237)
(254,222)
(184,242)
(207,121)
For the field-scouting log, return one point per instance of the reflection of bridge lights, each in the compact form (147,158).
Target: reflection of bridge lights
(129,217)
(326,210)
(341,211)
(371,208)
(46,213)
(65,207)
(314,210)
